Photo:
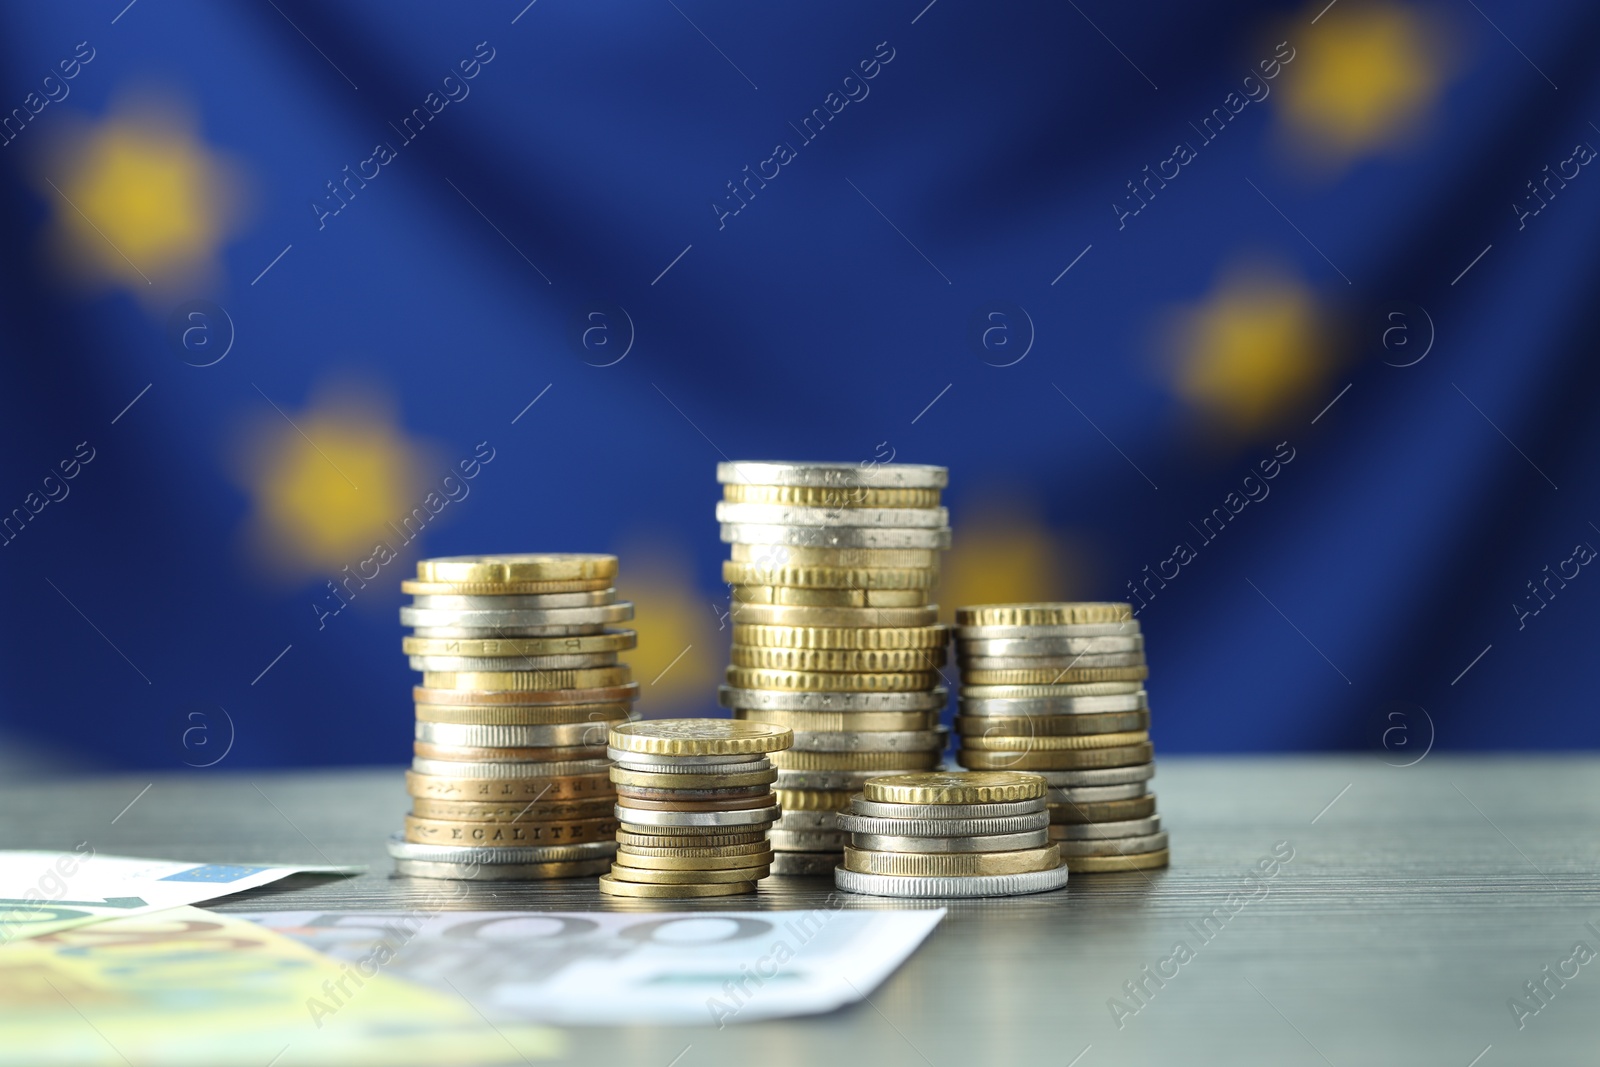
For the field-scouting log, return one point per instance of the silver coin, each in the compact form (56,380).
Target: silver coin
(1050,692)
(981,827)
(1004,708)
(1060,663)
(982,885)
(502,872)
(877,518)
(1050,646)
(999,809)
(1090,794)
(834,536)
(513,663)
(1114,846)
(986,843)
(771,700)
(805,863)
(806,820)
(401,849)
(870,741)
(495,633)
(830,475)
(536,602)
(1036,633)
(743,817)
(448,768)
(498,620)
(1101,831)
(555,735)
(1139,772)
(655,763)
(808,840)
(829,780)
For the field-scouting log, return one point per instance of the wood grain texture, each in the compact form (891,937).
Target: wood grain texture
(1414,908)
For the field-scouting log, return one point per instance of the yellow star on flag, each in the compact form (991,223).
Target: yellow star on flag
(680,652)
(1002,553)
(140,202)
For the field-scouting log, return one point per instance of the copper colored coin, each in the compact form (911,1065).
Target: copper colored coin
(1051,725)
(608,695)
(1103,810)
(692,794)
(472,753)
(1057,760)
(764,800)
(739,875)
(508,834)
(506,790)
(524,714)
(514,811)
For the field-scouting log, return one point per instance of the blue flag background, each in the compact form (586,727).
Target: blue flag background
(1275,319)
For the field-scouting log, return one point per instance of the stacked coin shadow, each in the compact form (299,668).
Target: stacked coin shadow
(694,804)
(950,834)
(831,568)
(1058,690)
(520,683)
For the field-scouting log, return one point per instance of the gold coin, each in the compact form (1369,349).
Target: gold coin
(625,776)
(842,721)
(781,615)
(530,567)
(577,678)
(505,790)
(732,862)
(954,787)
(833,637)
(700,737)
(523,715)
(513,811)
(1042,614)
(508,834)
(796,596)
(848,659)
(1124,756)
(474,753)
(1071,813)
(833,681)
(737,573)
(580,645)
(870,558)
(1050,725)
(1043,692)
(830,496)
(743,800)
(1056,675)
(501,697)
(678,837)
(951,864)
(1138,861)
(1039,743)
(888,762)
(680,877)
(814,799)
(577,585)
(748,848)
(611,886)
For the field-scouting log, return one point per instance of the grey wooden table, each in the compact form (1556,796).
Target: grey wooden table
(1418,902)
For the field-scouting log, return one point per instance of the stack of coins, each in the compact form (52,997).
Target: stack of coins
(950,834)
(520,684)
(832,565)
(1058,689)
(694,802)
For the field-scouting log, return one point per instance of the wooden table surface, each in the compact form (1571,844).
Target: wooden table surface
(1417,904)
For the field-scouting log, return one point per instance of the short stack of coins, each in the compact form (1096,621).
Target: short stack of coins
(833,636)
(1058,690)
(694,803)
(521,683)
(950,834)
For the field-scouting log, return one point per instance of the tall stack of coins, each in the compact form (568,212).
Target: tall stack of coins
(833,636)
(1058,689)
(520,684)
(694,802)
(950,834)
